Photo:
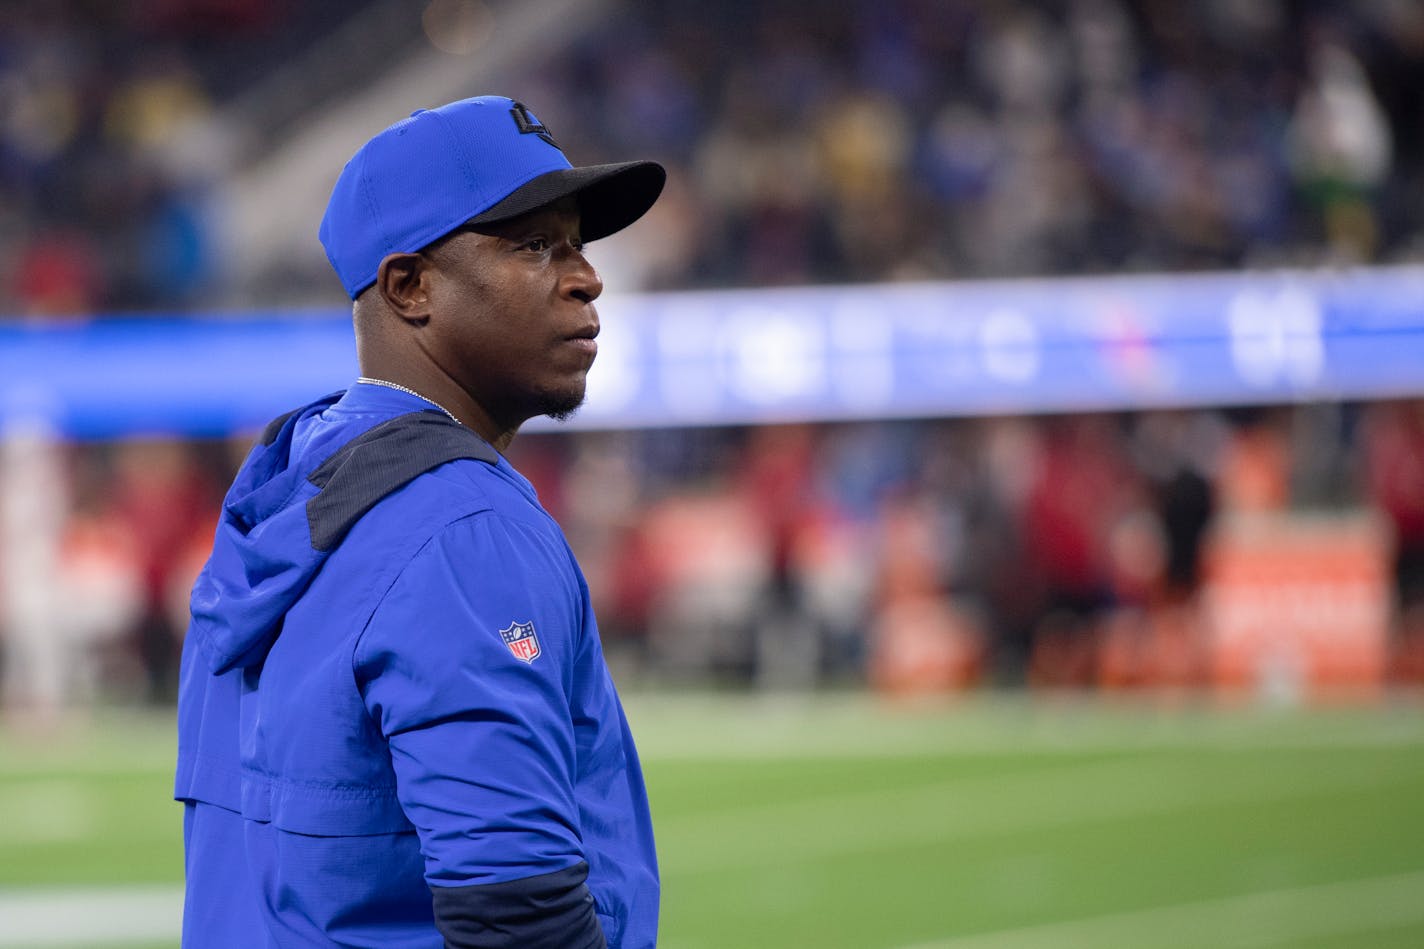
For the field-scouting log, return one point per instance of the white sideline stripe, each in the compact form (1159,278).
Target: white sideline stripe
(1268,918)
(32,917)
(705,728)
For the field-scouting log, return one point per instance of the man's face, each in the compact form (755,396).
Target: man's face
(514,317)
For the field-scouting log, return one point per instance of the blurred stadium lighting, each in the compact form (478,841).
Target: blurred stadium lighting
(458,27)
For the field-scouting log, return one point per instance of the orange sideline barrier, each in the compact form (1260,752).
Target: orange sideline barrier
(1298,603)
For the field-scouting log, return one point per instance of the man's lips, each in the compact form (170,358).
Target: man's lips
(583,340)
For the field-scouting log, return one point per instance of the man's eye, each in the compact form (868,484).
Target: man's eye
(536,244)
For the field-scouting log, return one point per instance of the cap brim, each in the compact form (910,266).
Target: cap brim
(610,197)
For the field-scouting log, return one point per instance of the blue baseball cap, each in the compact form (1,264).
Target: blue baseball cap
(475,161)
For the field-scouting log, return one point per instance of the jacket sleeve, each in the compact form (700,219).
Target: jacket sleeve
(552,909)
(464,667)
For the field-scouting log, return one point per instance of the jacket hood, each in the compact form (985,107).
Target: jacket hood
(263,558)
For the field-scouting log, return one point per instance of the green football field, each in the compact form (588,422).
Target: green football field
(850,822)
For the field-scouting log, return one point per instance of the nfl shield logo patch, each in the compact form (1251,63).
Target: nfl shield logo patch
(521,641)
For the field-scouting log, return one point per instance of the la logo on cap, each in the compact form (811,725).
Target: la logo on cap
(529,125)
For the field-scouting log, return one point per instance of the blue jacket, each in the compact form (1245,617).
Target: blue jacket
(396,725)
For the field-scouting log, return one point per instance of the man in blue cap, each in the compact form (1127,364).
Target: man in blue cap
(396,725)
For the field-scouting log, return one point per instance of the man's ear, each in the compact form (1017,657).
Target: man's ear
(403,281)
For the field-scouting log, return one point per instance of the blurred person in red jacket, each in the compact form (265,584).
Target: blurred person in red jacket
(1392,443)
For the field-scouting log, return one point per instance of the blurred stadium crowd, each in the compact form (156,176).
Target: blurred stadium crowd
(808,143)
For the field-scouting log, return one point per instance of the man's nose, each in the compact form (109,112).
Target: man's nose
(581,281)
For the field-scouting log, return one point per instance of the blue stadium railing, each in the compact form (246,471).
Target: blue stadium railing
(814,353)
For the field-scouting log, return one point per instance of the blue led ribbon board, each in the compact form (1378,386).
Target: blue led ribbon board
(823,353)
